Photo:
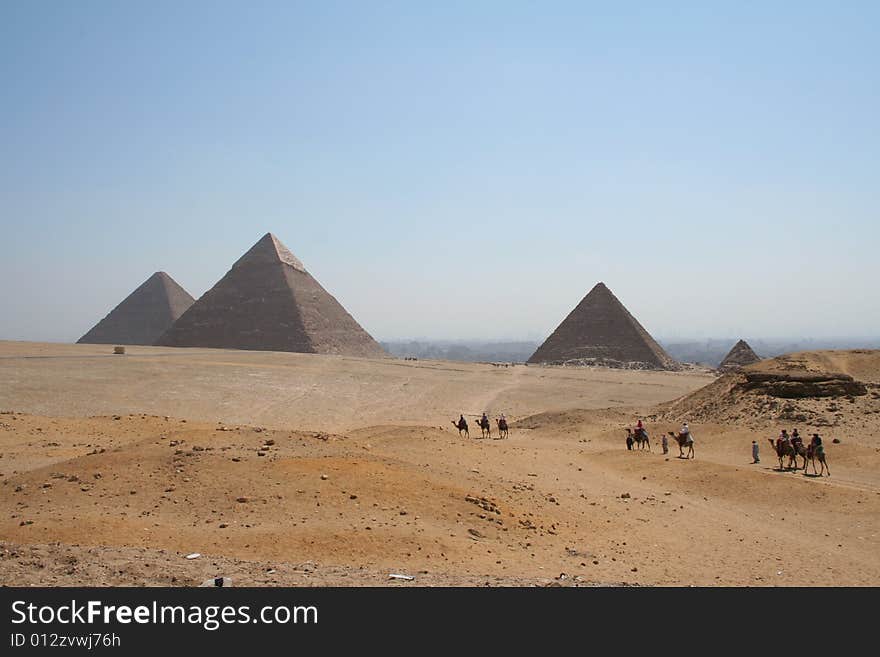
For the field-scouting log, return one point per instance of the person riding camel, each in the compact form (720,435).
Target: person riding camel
(783,438)
(815,441)
(796,438)
(640,428)
(502,424)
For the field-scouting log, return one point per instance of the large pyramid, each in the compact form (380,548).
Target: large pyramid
(143,315)
(269,302)
(600,331)
(739,356)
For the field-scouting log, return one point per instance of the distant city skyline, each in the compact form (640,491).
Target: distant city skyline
(465,170)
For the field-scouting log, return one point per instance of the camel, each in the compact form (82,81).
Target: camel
(784,448)
(462,427)
(816,452)
(485,427)
(640,438)
(502,427)
(684,440)
(801,451)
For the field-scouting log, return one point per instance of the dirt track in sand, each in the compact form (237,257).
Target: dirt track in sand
(343,501)
(305,391)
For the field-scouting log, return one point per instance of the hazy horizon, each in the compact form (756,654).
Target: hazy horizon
(458,171)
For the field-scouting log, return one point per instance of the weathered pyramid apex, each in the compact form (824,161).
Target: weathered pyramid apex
(270,250)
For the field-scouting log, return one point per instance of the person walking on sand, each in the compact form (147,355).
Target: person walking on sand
(755,458)
(665,443)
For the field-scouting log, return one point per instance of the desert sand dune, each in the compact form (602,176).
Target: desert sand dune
(358,473)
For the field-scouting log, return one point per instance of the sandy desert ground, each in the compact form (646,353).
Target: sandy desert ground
(290,469)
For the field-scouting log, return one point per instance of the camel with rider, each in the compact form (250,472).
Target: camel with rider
(816,451)
(462,426)
(485,427)
(639,437)
(784,448)
(684,440)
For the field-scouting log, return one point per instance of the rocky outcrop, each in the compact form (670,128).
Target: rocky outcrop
(803,385)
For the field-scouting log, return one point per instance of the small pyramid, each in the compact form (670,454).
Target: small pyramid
(269,302)
(739,356)
(600,331)
(143,315)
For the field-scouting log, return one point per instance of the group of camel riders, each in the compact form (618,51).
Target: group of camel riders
(484,424)
(792,446)
(786,445)
(638,438)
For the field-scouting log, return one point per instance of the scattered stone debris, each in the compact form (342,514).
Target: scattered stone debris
(484,503)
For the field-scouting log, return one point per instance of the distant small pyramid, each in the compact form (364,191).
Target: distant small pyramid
(143,315)
(600,331)
(269,302)
(740,356)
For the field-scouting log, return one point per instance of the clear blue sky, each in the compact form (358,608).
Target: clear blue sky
(456,169)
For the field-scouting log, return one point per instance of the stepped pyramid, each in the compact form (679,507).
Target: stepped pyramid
(269,302)
(600,331)
(143,315)
(740,356)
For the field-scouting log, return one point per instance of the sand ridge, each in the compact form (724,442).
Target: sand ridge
(559,502)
